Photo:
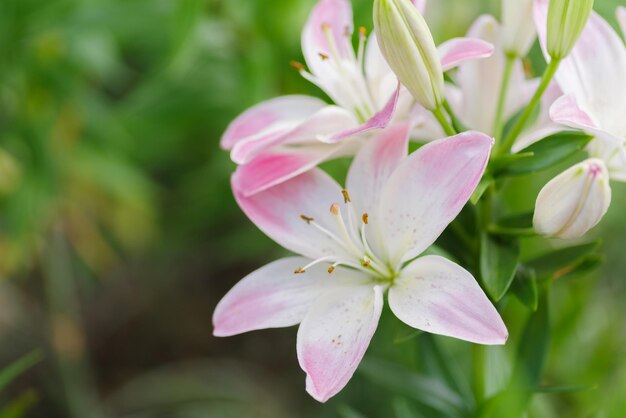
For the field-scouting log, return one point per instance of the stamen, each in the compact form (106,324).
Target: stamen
(299,270)
(366,262)
(331,269)
(346,196)
(323,56)
(347,238)
(366,218)
(330,39)
(298,66)
(307,219)
(362,32)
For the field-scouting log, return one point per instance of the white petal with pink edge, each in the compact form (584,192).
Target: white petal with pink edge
(428,190)
(296,212)
(267,118)
(329,26)
(334,335)
(277,166)
(456,51)
(323,123)
(438,296)
(270,297)
(621,18)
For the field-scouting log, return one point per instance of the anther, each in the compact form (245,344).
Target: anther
(346,196)
(366,262)
(331,269)
(363,31)
(365,218)
(299,270)
(334,209)
(307,219)
(297,65)
(323,56)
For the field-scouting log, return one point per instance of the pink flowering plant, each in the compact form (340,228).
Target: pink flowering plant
(435,136)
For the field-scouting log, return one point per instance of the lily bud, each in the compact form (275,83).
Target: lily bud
(407,44)
(518,28)
(574,201)
(566,21)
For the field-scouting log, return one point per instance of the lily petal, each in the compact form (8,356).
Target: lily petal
(480,81)
(326,121)
(438,296)
(429,189)
(374,164)
(459,50)
(593,72)
(378,121)
(277,212)
(270,117)
(270,297)
(337,16)
(380,79)
(334,336)
(420,4)
(277,166)
(621,18)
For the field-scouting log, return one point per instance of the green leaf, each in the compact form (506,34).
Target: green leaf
(346,411)
(533,348)
(564,389)
(546,153)
(498,263)
(480,189)
(402,409)
(11,372)
(20,406)
(525,288)
(562,261)
(423,389)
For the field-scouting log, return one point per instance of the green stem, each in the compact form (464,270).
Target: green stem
(548,75)
(504,88)
(478,372)
(443,121)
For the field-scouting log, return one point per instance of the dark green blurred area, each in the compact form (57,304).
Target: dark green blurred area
(119,233)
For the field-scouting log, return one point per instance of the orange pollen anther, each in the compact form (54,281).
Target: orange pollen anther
(334,209)
(366,218)
(297,65)
(299,270)
(346,196)
(331,269)
(363,31)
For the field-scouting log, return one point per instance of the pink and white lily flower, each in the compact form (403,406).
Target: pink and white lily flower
(594,86)
(286,136)
(356,244)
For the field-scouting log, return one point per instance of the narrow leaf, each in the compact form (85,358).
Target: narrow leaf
(425,390)
(561,261)
(546,153)
(498,263)
(12,371)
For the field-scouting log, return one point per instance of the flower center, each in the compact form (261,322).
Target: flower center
(350,234)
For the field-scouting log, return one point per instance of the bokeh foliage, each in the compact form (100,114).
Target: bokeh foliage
(118,231)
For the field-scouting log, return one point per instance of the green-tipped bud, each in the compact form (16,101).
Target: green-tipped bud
(566,21)
(407,44)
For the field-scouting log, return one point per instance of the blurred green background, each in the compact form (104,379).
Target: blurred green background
(119,233)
